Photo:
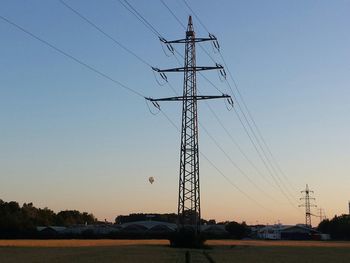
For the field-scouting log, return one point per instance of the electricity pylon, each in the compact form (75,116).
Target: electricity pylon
(189,210)
(321,214)
(307,205)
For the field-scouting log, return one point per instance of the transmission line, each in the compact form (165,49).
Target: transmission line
(235,142)
(104,33)
(247,109)
(179,21)
(257,141)
(133,11)
(173,14)
(224,152)
(217,169)
(91,68)
(248,134)
(234,163)
(64,53)
(138,14)
(142,60)
(227,155)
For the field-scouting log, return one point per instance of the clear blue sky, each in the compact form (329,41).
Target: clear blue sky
(70,139)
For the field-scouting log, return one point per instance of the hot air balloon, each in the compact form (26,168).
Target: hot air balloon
(151,179)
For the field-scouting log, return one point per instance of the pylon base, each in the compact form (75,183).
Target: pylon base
(187,238)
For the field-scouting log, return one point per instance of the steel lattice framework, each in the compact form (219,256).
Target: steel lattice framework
(307,205)
(189,210)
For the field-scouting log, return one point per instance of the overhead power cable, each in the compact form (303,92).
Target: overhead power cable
(228,156)
(236,143)
(261,155)
(272,169)
(236,165)
(244,104)
(140,17)
(64,53)
(170,11)
(91,68)
(133,11)
(219,171)
(104,33)
(278,178)
(184,27)
(254,122)
(144,19)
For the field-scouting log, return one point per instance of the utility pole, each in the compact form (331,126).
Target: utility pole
(307,205)
(189,210)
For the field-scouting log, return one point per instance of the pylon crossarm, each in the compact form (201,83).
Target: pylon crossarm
(215,42)
(183,69)
(182,98)
(186,40)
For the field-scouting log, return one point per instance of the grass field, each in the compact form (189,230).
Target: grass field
(57,251)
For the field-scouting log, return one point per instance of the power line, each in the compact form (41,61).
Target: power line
(60,51)
(235,142)
(112,38)
(217,169)
(212,138)
(153,30)
(64,53)
(178,20)
(128,50)
(221,149)
(173,14)
(139,16)
(206,78)
(225,153)
(258,142)
(133,11)
(245,105)
(104,33)
(234,163)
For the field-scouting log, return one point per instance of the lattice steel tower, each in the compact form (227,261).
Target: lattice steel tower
(189,209)
(307,205)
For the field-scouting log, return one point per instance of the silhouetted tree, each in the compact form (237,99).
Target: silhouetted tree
(16,220)
(237,230)
(338,227)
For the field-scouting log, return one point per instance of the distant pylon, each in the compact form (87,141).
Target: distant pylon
(321,214)
(307,205)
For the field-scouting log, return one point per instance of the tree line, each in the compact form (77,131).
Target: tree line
(338,227)
(19,220)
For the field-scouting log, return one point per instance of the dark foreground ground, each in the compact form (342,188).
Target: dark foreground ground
(235,251)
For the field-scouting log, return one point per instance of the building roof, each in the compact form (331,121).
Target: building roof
(54,228)
(150,224)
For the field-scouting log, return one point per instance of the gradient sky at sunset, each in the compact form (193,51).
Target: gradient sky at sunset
(70,139)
